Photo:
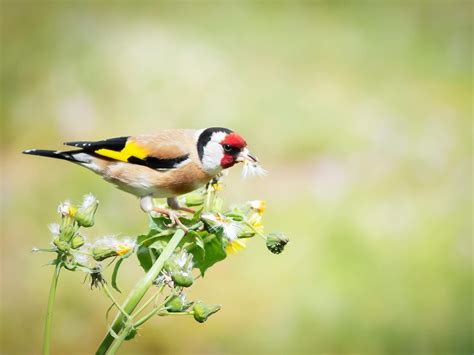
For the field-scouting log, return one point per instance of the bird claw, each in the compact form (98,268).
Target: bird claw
(173,216)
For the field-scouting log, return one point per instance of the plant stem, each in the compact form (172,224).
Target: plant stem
(120,339)
(260,234)
(177,314)
(146,317)
(49,311)
(152,298)
(114,302)
(209,195)
(138,291)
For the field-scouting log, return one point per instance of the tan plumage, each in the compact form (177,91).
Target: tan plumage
(167,164)
(140,180)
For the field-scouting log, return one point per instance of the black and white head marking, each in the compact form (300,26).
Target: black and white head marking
(210,150)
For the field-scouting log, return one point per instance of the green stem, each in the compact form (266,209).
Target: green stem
(156,311)
(138,291)
(49,311)
(120,339)
(147,316)
(260,234)
(114,302)
(152,298)
(209,196)
(176,313)
(153,312)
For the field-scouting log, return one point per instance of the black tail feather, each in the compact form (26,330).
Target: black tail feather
(66,155)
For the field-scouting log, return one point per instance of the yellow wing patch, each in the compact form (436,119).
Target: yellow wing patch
(131,149)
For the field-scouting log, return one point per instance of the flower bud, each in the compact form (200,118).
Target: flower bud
(108,247)
(246,232)
(68,223)
(236,216)
(183,279)
(179,267)
(276,242)
(68,228)
(85,214)
(77,241)
(61,244)
(69,262)
(202,311)
(170,265)
(100,253)
(177,304)
(194,199)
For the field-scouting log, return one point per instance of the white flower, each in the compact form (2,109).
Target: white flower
(66,209)
(83,255)
(88,201)
(229,227)
(120,246)
(253,169)
(54,229)
(182,260)
(163,278)
(258,205)
(81,258)
(108,241)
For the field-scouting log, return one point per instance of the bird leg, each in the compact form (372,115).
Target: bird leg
(173,216)
(146,204)
(174,204)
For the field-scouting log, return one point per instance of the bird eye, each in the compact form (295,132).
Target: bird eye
(227,147)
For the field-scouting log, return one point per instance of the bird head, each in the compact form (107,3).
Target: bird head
(220,148)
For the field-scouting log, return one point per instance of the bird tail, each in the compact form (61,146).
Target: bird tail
(72,155)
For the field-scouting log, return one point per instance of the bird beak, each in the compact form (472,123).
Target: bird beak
(245,155)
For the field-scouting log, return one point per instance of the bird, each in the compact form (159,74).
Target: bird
(166,164)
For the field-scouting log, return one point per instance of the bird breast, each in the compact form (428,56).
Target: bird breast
(143,181)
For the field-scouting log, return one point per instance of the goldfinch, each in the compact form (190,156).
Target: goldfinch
(162,165)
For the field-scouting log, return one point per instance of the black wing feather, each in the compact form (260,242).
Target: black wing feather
(115,144)
(157,163)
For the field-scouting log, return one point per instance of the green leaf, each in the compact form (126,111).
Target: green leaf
(194,244)
(115,273)
(146,257)
(193,221)
(159,224)
(152,236)
(194,238)
(158,246)
(213,252)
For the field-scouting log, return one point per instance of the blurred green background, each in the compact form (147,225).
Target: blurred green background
(361,112)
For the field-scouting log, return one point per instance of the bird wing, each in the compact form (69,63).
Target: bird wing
(155,152)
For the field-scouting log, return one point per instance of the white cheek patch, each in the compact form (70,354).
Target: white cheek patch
(213,154)
(211,160)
